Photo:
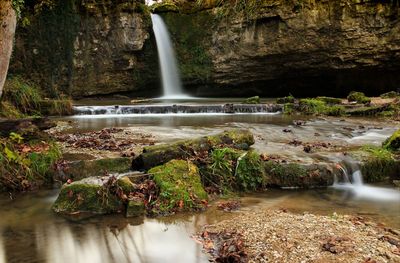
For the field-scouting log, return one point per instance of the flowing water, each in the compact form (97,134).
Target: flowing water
(171,82)
(30,232)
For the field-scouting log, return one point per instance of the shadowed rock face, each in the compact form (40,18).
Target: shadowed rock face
(89,48)
(305,48)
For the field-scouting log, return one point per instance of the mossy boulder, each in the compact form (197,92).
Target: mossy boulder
(90,195)
(377,164)
(358,97)
(180,185)
(135,208)
(298,175)
(316,106)
(252,100)
(368,110)
(160,154)
(393,142)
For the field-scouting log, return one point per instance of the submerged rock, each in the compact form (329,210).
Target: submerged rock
(180,185)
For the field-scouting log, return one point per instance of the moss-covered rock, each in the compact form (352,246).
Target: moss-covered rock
(317,106)
(90,195)
(58,107)
(180,185)
(298,175)
(390,94)
(159,154)
(252,100)
(368,110)
(377,164)
(284,100)
(330,100)
(393,142)
(77,170)
(135,208)
(358,97)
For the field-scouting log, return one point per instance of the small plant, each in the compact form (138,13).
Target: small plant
(284,100)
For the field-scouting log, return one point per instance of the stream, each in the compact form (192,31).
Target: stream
(30,232)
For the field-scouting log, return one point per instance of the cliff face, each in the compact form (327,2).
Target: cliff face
(89,48)
(302,47)
(269,47)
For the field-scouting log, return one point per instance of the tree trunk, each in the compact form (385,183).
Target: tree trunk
(8,22)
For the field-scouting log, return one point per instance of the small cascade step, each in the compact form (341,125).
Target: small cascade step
(181,109)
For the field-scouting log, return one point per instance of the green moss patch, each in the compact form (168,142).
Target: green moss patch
(180,185)
(252,100)
(377,164)
(358,97)
(393,142)
(297,175)
(87,196)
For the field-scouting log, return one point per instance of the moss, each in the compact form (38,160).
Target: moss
(368,110)
(86,197)
(135,208)
(180,185)
(284,100)
(377,164)
(126,185)
(297,175)
(330,100)
(335,110)
(393,142)
(390,94)
(358,97)
(191,41)
(252,100)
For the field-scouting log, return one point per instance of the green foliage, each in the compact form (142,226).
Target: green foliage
(288,108)
(25,165)
(23,95)
(378,164)
(231,169)
(18,5)
(22,99)
(250,174)
(252,100)
(358,97)
(393,142)
(316,106)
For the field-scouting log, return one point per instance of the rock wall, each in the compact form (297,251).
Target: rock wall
(89,47)
(268,47)
(307,48)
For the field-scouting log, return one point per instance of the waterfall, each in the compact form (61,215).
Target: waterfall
(171,83)
(352,181)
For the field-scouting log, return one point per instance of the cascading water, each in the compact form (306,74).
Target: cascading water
(352,181)
(171,83)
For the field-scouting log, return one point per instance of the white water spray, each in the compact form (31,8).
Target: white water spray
(353,182)
(171,83)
